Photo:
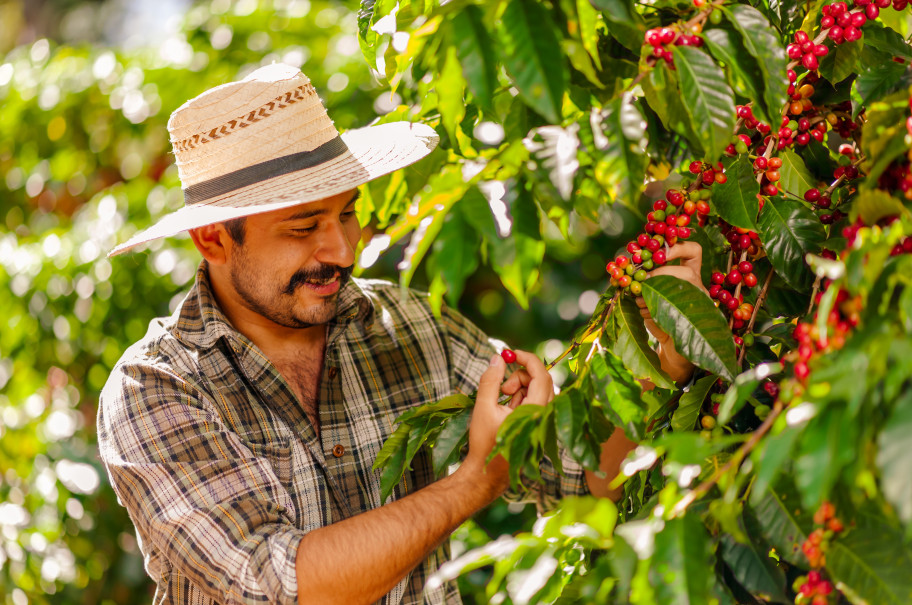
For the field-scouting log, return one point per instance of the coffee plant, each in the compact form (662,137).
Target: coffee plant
(778,136)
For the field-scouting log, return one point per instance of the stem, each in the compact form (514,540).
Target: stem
(733,463)
(813,295)
(760,297)
(596,325)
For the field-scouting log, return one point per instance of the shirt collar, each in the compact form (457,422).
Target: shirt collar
(199,321)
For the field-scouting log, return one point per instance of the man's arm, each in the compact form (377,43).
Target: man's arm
(362,558)
(678,368)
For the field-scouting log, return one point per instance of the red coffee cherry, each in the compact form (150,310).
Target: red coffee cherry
(508,355)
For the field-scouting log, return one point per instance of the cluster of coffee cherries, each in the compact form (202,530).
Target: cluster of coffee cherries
(751,123)
(813,342)
(822,203)
(845,25)
(804,50)
(770,169)
(668,222)
(814,589)
(699,193)
(661,37)
(898,176)
(805,123)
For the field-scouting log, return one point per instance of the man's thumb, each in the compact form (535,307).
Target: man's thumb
(489,385)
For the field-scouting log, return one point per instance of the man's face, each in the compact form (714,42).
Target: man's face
(293,262)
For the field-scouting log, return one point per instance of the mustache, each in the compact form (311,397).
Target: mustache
(318,273)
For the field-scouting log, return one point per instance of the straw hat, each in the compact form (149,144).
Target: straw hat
(266,143)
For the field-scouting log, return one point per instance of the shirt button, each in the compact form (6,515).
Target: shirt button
(332,372)
(338,450)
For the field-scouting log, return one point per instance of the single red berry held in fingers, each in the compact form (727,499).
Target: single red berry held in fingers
(508,355)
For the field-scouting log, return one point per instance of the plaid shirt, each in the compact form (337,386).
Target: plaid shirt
(223,474)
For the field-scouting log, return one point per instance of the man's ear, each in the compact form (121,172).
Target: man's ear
(213,242)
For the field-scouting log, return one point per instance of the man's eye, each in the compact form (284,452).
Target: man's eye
(348,215)
(304,230)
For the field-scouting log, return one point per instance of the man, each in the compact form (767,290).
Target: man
(240,432)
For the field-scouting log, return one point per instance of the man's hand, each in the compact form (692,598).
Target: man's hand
(691,255)
(531,385)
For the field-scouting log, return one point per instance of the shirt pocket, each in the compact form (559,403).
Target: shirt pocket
(278,456)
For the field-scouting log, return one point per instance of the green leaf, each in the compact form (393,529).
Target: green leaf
(743,387)
(455,254)
(878,81)
(588,22)
(818,161)
(770,459)
(826,447)
(660,87)
(789,231)
(743,72)
(622,400)
(886,39)
(451,403)
(392,460)
(755,571)
(450,92)
(681,566)
(870,563)
(626,23)
(707,99)
(810,18)
(571,418)
(367,38)
(696,326)
(781,522)
(532,57)
(515,440)
(476,53)
(795,177)
(517,261)
(885,121)
(448,445)
(620,137)
(841,61)
(883,135)
(685,417)
(894,457)
(736,199)
(764,45)
(874,204)
(632,345)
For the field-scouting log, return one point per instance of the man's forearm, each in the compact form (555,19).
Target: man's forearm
(613,453)
(360,559)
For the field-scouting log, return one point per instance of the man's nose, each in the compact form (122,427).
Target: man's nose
(335,247)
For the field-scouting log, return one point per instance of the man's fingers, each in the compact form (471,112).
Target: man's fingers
(685,273)
(516,381)
(489,385)
(688,274)
(688,252)
(541,388)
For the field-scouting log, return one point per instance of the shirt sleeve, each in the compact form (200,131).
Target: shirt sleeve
(470,351)
(202,499)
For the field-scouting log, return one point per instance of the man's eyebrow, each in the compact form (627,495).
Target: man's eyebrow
(304,214)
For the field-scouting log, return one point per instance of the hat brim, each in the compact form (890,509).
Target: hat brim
(373,151)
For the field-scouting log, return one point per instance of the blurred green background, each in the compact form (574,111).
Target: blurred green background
(86,88)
